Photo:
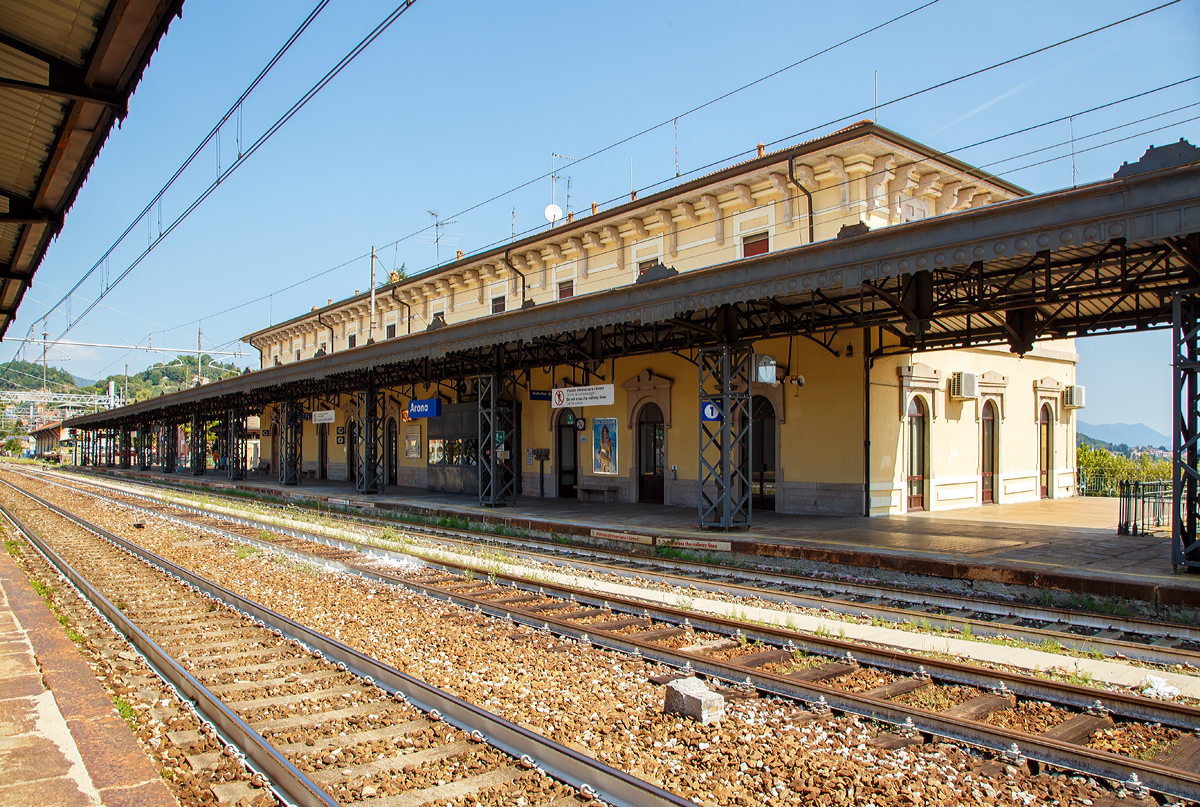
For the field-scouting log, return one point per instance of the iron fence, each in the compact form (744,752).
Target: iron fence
(1108,483)
(1145,507)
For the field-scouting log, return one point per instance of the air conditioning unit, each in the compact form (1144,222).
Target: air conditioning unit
(1073,397)
(964,386)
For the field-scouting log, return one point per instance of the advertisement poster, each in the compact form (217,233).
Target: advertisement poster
(604,445)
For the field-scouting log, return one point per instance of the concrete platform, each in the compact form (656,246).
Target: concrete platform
(61,741)
(1068,545)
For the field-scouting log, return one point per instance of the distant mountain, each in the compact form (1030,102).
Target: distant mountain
(80,381)
(1131,434)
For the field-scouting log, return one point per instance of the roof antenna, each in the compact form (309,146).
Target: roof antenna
(877,96)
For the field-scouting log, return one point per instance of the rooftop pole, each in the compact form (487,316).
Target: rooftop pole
(371,326)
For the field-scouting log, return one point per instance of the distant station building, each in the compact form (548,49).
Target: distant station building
(52,442)
(841,422)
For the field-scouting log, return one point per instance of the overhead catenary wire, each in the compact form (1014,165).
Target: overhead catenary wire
(737,155)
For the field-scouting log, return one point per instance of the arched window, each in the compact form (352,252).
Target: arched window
(1046,449)
(917,456)
(652,438)
(988,453)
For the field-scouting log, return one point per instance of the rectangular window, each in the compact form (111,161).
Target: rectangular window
(566,289)
(757,244)
(644,266)
(351,340)
(391,331)
(498,305)
(297,355)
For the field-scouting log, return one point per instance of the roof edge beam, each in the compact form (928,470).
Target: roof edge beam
(73,90)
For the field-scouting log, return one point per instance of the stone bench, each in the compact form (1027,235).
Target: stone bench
(594,492)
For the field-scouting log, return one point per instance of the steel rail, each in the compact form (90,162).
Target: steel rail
(997,607)
(1182,784)
(1080,697)
(288,781)
(570,766)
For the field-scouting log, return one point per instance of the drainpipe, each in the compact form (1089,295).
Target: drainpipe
(407,308)
(331,332)
(792,176)
(509,264)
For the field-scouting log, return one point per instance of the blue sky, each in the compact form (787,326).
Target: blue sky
(460,101)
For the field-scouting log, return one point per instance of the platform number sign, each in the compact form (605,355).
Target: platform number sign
(710,412)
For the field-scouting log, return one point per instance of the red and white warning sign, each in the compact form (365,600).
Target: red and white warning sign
(595,395)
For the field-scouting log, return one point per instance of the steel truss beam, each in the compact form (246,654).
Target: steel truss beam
(497,438)
(125,447)
(236,438)
(291,428)
(1185,550)
(724,500)
(369,405)
(141,447)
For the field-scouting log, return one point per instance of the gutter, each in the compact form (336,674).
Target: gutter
(407,308)
(332,335)
(792,177)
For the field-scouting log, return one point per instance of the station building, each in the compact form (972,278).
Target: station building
(851,422)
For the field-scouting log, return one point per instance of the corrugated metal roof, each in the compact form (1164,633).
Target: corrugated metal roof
(49,138)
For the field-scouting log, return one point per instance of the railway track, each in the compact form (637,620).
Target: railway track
(924,697)
(325,724)
(1087,632)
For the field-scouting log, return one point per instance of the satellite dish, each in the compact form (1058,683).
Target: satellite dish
(553,213)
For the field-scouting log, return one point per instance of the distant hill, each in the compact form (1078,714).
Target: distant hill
(1131,434)
(1112,448)
(28,375)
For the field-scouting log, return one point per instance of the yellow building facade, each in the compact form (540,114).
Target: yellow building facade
(847,428)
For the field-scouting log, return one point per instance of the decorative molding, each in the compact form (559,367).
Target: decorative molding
(905,180)
(744,194)
(714,207)
(689,212)
(838,169)
(948,199)
(991,388)
(581,251)
(877,181)
(1046,390)
(780,183)
(919,378)
(644,388)
(668,221)
(639,228)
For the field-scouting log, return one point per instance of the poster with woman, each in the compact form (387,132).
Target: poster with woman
(604,446)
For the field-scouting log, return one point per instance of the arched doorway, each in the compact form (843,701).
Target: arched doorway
(652,454)
(322,451)
(988,453)
(917,454)
(1046,449)
(763,462)
(391,447)
(567,461)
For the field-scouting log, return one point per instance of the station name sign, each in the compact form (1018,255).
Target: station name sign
(595,395)
(425,408)
(324,416)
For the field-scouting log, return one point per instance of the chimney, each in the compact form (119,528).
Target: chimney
(570,217)
(356,292)
(329,301)
(595,208)
(762,150)
(633,196)
(460,254)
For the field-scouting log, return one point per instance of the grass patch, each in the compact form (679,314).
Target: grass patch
(13,547)
(244,552)
(126,712)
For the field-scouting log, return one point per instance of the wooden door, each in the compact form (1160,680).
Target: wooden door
(988,453)
(916,455)
(322,451)
(567,454)
(651,454)
(763,463)
(1045,450)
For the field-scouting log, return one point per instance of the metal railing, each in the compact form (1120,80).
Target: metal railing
(1145,507)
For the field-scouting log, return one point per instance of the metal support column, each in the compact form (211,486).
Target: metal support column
(497,436)
(725,437)
(125,447)
(110,447)
(236,421)
(169,450)
(291,428)
(199,445)
(369,434)
(1185,550)
(141,447)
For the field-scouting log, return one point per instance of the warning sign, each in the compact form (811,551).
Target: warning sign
(595,395)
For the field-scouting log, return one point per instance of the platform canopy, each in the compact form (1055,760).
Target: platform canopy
(67,69)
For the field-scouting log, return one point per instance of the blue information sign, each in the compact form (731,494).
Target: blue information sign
(426,408)
(710,412)
(539,395)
